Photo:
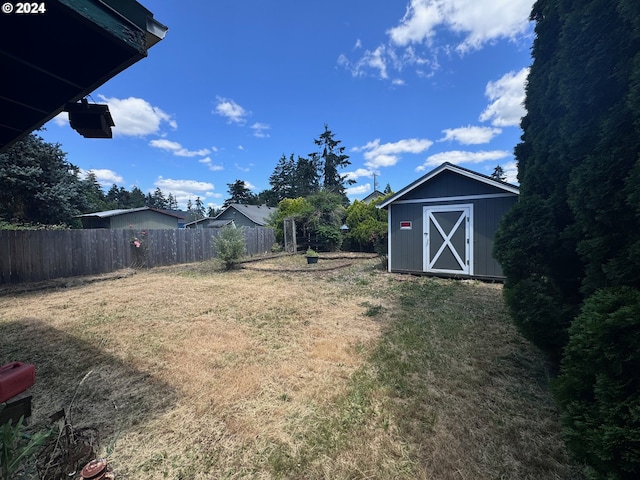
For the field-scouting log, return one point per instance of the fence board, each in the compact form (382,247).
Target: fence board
(37,255)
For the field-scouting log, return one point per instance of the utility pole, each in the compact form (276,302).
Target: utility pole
(374,182)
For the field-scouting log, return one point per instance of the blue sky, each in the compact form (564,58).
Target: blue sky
(404,84)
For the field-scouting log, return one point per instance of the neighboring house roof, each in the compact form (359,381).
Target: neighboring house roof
(372,196)
(258,214)
(113,213)
(508,187)
(211,222)
(220,223)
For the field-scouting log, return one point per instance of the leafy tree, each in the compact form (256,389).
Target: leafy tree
(387,190)
(38,184)
(331,160)
(230,245)
(296,208)
(323,220)
(368,227)
(239,193)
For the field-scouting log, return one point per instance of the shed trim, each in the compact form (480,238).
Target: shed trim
(454,199)
(507,187)
(428,262)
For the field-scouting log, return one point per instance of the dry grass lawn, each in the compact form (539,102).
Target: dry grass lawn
(289,371)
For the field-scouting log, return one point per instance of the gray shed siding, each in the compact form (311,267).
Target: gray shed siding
(406,246)
(450,184)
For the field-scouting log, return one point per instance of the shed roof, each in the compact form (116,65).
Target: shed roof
(507,187)
(123,211)
(258,214)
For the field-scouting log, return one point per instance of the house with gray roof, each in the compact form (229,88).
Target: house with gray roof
(138,218)
(238,214)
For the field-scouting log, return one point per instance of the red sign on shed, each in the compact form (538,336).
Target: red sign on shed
(405,225)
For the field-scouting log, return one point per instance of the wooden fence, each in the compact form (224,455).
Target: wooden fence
(36,255)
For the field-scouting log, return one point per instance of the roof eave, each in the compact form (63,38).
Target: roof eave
(453,168)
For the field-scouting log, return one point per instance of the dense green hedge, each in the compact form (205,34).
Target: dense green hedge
(599,384)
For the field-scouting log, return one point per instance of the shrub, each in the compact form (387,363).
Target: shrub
(230,246)
(599,384)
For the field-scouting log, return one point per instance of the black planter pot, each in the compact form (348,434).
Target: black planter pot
(312,259)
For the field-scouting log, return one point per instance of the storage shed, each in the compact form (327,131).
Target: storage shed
(137,218)
(444,223)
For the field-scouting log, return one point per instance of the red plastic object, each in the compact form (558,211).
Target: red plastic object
(15,378)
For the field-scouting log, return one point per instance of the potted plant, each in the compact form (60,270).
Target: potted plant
(312,255)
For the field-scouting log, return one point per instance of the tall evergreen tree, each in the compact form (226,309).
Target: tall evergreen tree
(332,160)
(239,193)
(282,180)
(38,184)
(572,243)
(498,173)
(137,198)
(94,196)
(306,179)
(535,246)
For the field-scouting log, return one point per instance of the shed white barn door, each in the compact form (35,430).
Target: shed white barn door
(448,239)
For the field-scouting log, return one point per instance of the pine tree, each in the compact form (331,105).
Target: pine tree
(38,184)
(239,193)
(331,160)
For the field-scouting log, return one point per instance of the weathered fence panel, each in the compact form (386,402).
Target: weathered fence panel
(36,255)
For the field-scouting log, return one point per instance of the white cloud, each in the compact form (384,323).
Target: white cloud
(137,117)
(430,28)
(214,168)
(229,109)
(356,174)
(470,135)
(479,21)
(511,171)
(178,149)
(259,130)
(61,119)
(241,168)
(250,185)
(105,177)
(359,189)
(388,154)
(192,186)
(185,190)
(507,96)
(457,157)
